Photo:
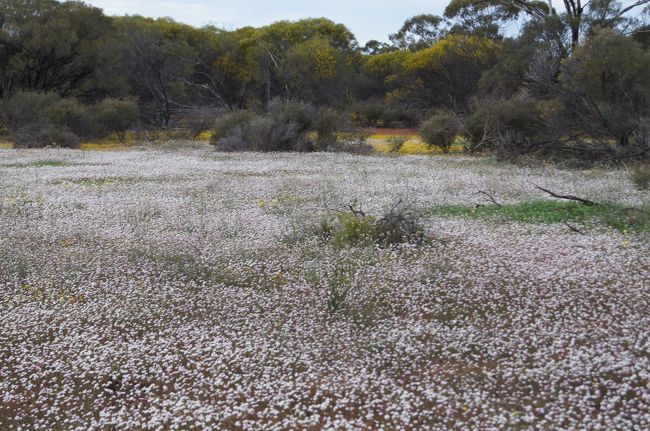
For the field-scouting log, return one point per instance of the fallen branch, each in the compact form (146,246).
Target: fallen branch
(566,197)
(490,197)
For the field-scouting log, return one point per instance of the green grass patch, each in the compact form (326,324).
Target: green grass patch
(110,181)
(97,182)
(616,216)
(38,164)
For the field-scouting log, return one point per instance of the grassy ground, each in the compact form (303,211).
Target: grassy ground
(180,288)
(620,217)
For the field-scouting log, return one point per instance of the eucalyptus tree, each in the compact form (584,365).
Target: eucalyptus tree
(576,15)
(48,46)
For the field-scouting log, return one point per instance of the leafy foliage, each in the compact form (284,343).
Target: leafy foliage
(606,87)
(353,227)
(509,126)
(280,129)
(440,130)
(116,116)
(572,81)
(419,32)
(53,47)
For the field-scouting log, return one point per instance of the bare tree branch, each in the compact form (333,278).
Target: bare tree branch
(566,197)
(490,198)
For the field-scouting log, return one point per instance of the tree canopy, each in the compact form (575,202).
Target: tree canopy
(577,68)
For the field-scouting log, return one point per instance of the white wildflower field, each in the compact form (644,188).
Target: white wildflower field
(192,290)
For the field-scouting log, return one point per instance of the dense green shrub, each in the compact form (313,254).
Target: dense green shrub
(507,125)
(290,126)
(440,130)
(43,119)
(248,131)
(25,108)
(115,116)
(605,88)
(367,114)
(229,126)
(266,133)
(326,123)
(38,135)
(70,114)
(300,114)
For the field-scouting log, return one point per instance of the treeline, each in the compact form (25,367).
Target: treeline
(574,80)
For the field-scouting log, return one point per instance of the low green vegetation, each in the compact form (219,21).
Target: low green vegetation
(38,164)
(353,227)
(98,182)
(616,216)
(440,130)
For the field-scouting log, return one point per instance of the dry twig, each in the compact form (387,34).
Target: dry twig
(566,197)
(490,197)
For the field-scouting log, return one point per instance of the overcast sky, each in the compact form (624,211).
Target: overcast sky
(368,19)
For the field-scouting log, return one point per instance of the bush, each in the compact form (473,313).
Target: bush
(367,114)
(247,131)
(229,132)
(72,115)
(25,108)
(398,225)
(285,126)
(326,123)
(509,126)
(440,130)
(300,114)
(288,126)
(230,123)
(116,116)
(641,176)
(37,135)
(44,119)
(268,134)
(605,87)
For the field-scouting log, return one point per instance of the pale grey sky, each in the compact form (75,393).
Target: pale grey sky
(367,19)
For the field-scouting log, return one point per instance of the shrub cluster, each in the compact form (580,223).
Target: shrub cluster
(440,130)
(398,225)
(378,114)
(506,125)
(44,119)
(286,126)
